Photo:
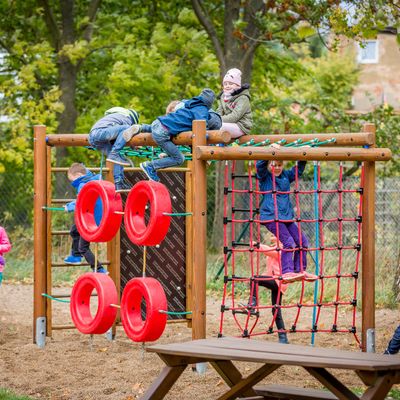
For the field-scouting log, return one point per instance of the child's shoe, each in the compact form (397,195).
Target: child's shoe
(282,338)
(129,133)
(101,270)
(122,186)
(119,159)
(309,277)
(252,302)
(150,172)
(290,277)
(74,260)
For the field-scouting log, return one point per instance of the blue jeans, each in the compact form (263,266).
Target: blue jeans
(394,344)
(107,140)
(289,237)
(162,137)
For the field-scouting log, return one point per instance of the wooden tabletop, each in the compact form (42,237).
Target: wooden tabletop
(275,353)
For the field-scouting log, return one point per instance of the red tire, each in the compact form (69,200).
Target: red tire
(157,195)
(85,211)
(80,303)
(151,291)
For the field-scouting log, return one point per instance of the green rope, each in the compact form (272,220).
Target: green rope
(53,208)
(174,313)
(55,298)
(178,214)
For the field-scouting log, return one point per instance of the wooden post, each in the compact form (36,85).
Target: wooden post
(39,225)
(368,246)
(199,235)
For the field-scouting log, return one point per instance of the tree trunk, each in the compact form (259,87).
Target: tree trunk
(67,119)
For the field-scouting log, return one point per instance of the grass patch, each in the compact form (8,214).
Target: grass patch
(6,394)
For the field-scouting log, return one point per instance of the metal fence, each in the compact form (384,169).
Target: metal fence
(16,210)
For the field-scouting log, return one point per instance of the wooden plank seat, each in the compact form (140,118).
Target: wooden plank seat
(292,393)
(377,372)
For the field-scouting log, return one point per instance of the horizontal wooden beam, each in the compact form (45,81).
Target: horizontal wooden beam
(292,153)
(342,139)
(142,139)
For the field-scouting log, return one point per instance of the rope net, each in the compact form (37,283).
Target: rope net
(328,222)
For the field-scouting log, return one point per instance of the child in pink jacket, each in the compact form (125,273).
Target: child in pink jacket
(269,280)
(5,246)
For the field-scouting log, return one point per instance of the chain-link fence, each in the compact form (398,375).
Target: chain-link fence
(16,211)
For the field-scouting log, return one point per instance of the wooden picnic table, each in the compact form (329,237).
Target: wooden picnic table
(378,372)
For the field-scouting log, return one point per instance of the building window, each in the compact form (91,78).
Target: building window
(368,52)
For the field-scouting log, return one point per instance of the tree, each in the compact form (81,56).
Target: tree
(237,29)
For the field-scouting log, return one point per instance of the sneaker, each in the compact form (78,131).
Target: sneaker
(150,172)
(101,270)
(74,260)
(309,277)
(252,302)
(290,277)
(129,133)
(119,159)
(122,186)
(282,338)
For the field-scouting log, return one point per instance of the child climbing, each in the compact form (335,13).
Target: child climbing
(277,215)
(268,279)
(79,176)
(167,126)
(110,134)
(5,247)
(234,105)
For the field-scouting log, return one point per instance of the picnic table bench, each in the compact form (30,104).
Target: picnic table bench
(378,372)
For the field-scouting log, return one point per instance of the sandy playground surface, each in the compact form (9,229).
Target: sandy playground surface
(73,367)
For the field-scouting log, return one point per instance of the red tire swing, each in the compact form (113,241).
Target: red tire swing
(80,303)
(85,211)
(148,289)
(152,327)
(157,195)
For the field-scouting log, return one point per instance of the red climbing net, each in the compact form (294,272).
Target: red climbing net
(331,218)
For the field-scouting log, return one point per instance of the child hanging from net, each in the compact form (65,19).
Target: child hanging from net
(266,279)
(277,215)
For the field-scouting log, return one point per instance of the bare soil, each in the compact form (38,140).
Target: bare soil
(74,366)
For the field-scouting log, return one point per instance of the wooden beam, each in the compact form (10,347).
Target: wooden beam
(199,235)
(292,153)
(342,139)
(142,139)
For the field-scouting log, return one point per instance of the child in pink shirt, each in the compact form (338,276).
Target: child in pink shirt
(5,246)
(272,270)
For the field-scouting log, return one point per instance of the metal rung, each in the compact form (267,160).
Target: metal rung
(59,233)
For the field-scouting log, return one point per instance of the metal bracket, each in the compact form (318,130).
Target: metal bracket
(41,332)
(370,345)
(109,335)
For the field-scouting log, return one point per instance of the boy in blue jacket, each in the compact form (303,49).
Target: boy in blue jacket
(164,127)
(110,134)
(79,176)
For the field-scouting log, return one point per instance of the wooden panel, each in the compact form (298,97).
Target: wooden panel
(293,393)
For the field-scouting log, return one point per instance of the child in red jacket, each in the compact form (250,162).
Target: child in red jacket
(5,247)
